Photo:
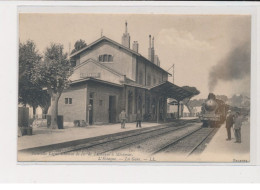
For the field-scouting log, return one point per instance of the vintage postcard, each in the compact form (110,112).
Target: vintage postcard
(134,87)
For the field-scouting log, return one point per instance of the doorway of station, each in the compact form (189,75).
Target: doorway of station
(140,104)
(91,112)
(112,109)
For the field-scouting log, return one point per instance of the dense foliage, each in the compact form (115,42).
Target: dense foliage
(30,93)
(78,45)
(53,75)
(194,92)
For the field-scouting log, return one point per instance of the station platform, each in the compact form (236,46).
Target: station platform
(220,150)
(43,136)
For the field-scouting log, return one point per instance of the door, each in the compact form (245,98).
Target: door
(91,112)
(140,104)
(112,109)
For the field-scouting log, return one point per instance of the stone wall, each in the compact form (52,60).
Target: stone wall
(101,93)
(76,110)
(122,59)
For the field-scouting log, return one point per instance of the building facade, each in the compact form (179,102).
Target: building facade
(109,77)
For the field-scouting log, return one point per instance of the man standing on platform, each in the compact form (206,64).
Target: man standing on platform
(122,117)
(237,127)
(138,119)
(229,124)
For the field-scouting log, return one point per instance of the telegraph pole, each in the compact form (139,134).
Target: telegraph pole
(172,72)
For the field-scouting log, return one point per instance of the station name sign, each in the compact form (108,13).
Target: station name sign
(93,75)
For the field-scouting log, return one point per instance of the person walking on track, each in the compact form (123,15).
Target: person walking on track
(229,124)
(237,127)
(123,117)
(138,119)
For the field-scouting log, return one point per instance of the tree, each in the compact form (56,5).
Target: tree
(196,103)
(29,92)
(194,92)
(236,100)
(224,98)
(45,102)
(79,45)
(53,74)
(28,57)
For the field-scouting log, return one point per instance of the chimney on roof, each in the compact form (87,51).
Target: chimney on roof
(126,37)
(151,50)
(126,27)
(149,41)
(135,46)
(156,60)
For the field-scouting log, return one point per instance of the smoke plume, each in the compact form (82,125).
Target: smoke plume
(235,66)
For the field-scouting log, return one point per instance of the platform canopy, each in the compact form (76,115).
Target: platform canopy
(171,90)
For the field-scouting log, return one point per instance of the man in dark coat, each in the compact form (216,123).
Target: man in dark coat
(138,119)
(237,127)
(229,124)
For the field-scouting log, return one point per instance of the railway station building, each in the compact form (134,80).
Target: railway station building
(109,77)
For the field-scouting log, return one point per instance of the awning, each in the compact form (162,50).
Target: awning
(170,90)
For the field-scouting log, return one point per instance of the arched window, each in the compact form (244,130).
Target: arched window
(105,58)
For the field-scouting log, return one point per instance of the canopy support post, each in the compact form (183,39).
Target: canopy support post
(178,113)
(158,111)
(164,109)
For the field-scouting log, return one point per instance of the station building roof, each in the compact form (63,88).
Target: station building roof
(104,38)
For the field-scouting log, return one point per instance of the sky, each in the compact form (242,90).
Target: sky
(209,52)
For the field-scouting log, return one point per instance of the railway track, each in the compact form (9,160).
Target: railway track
(113,143)
(187,144)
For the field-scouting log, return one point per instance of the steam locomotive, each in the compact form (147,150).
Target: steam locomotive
(213,111)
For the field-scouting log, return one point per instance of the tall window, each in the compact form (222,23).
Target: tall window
(139,103)
(105,58)
(130,101)
(110,58)
(148,104)
(153,106)
(140,78)
(148,80)
(91,95)
(154,81)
